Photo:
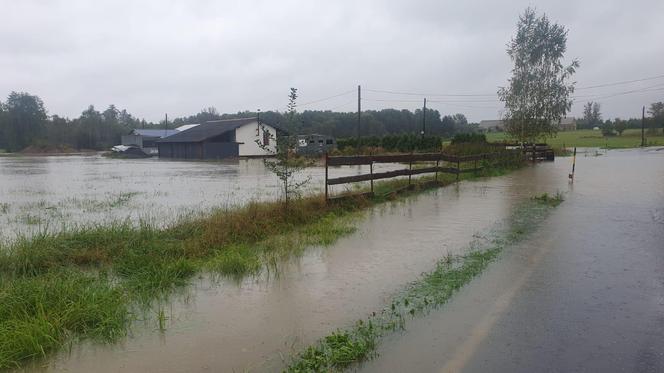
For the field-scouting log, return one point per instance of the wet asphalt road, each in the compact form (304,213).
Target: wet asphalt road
(585,293)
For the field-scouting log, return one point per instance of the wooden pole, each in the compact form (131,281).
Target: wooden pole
(410,167)
(424,118)
(359,117)
(458,169)
(371,172)
(574,163)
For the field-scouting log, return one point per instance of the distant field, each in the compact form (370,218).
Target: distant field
(588,138)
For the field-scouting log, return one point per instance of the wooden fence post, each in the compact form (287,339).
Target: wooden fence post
(410,167)
(326,158)
(371,172)
(458,169)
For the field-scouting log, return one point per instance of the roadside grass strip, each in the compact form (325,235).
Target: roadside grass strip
(344,347)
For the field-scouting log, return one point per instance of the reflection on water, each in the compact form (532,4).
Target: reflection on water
(256,324)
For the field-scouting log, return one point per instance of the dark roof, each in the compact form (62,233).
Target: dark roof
(208,130)
(155,132)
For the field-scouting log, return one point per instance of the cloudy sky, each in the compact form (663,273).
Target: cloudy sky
(177,57)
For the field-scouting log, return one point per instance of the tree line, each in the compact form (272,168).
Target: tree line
(24,122)
(345,124)
(592,117)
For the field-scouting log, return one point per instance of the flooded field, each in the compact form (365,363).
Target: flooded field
(256,325)
(51,193)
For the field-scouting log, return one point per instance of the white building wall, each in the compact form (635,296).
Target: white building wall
(247,136)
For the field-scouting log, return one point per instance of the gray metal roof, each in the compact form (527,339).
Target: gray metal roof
(208,130)
(155,132)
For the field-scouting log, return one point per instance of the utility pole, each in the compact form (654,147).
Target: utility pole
(643,127)
(359,115)
(166,125)
(424,118)
(258,122)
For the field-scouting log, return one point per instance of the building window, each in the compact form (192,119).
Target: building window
(266,138)
(329,142)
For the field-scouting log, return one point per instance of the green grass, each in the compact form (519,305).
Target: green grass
(38,314)
(342,348)
(631,138)
(78,284)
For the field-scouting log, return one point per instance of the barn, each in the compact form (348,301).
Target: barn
(221,139)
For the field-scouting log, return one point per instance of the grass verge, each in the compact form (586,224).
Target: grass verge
(342,348)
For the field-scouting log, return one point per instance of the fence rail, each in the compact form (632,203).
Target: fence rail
(370,160)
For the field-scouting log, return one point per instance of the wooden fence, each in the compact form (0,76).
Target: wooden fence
(453,166)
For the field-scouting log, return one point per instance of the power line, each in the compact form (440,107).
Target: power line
(327,98)
(622,82)
(430,94)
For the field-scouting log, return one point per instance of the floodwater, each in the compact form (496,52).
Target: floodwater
(585,293)
(257,324)
(53,193)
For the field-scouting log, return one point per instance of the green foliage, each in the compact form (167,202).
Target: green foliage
(393,143)
(539,91)
(607,128)
(22,120)
(619,126)
(469,138)
(236,261)
(553,201)
(285,164)
(591,114)
(38,314)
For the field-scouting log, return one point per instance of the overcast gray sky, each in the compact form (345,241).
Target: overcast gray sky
(177,57)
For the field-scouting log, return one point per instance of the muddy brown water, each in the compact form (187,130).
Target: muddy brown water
(255,325)
(53,193)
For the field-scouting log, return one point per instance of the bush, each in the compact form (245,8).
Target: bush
(394,143)
(469,138)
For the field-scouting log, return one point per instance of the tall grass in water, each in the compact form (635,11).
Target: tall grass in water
(37,314)
(80,284)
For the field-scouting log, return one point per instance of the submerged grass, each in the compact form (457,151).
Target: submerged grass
(342,348)
(56,287)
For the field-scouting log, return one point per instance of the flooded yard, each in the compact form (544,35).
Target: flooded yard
(52,193)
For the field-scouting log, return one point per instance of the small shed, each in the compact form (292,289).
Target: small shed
(221,139)
(315,144)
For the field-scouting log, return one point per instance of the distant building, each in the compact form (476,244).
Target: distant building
(219,139)
(491,125)
(566,124)
(146,139)
(315,144)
